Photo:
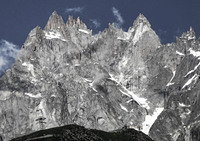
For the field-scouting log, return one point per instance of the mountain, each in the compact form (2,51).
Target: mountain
(66,75)
(180,119)
(77,133)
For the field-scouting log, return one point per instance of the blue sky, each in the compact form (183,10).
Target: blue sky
(169,18)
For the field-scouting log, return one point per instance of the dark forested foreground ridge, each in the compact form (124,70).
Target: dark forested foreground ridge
(66,75)
(79,133)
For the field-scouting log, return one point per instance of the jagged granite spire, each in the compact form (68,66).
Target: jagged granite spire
(189,35)
(35,36)
(140,27)
(55,21)
(77,23)
(71,21)
(141,19)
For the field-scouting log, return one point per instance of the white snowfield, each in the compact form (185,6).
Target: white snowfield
(84,31)
(179,53)
(34,96)
(150,119)
(53,35)
(193,79)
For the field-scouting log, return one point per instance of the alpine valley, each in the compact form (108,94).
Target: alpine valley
(65,75)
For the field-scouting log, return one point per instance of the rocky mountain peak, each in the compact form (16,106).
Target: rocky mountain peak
(37,30)
(141,27)
(55,21)
(141,23)
(189,35)
(71,21)
(141,19)
(35,35)
(77,23)
(112,27)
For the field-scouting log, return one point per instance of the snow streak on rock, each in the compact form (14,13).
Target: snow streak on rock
(170,82)
(84,31)
(179,53)
(54,35)
(191,80)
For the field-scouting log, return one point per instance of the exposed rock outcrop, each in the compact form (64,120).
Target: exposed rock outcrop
(77,133)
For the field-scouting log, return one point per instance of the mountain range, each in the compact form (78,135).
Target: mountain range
(66,75)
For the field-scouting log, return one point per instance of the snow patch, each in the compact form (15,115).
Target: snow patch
(84,31)
(194,53)
(87,80)
(185,113)
(54,35)
(125,36)
(91,85)
(183,105)
(124,61)
(129,101)
(141,101)
(41,108)
(150,119)
(76,65)
(170,82)
(195,68)
(34,96)
(193,79)
(29,67)
(53,95)
(123,108)
(179,53)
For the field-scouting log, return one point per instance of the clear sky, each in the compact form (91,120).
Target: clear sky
(169,18)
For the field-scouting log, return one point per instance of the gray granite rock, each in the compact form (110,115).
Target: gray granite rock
(65,75)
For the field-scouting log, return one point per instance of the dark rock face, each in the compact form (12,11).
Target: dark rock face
(77,133)
(65,75)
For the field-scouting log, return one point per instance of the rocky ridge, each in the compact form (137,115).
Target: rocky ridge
(77,133)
